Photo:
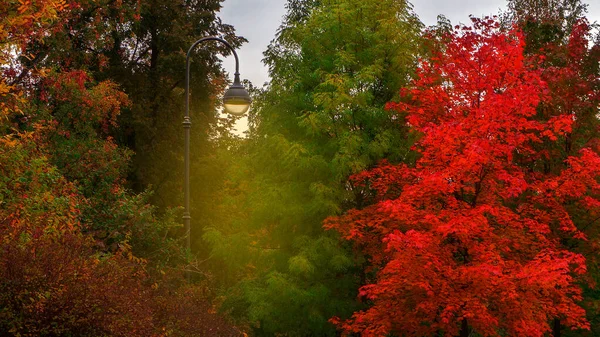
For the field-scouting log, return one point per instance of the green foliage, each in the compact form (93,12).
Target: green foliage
(55,280)
(544,24)
(334,65)
(71,123)
(81,254)
(141,45)
(300,299)
(51,278)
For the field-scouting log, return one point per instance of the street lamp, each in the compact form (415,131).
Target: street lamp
(236,102)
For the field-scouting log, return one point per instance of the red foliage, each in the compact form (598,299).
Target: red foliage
(53,281)
(62,181)
(472,231)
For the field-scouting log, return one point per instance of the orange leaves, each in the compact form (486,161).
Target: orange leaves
(87,106)
(24,21)
(47,9)
(21,22)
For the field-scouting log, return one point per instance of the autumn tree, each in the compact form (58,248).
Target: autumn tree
(572,72)
(560,36)
(57,276)
(57,280)
(469,238)
(20,25)
(140,46)
(71,233)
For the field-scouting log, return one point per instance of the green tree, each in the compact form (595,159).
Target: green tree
(58,280)
(334,65)
(546,21)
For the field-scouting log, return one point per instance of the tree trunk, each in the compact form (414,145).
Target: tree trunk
(556,328)
(465,331)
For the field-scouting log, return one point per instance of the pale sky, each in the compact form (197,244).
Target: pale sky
(258,20)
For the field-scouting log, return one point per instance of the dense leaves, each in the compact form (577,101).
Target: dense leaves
(334,65)
(562,39)
(81,255)
(56,281)
(480,218)
(140,46)
(468,238)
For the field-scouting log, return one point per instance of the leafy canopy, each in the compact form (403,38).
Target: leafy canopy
(468,237)
(334,65)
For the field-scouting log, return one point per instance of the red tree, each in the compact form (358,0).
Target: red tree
(469,238)
(571,69)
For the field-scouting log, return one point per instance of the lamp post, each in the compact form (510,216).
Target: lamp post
(236,102)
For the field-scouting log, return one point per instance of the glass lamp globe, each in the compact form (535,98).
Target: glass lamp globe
(236,99)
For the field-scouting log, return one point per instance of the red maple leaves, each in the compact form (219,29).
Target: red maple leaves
(470,234)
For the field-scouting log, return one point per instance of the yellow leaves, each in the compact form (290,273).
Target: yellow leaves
(10,99)
(26,21)
(45,10)
(9,141)
(300,265)
(5,89)
(61,5)
(125,250)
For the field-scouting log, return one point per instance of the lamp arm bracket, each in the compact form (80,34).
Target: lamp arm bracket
(214,38)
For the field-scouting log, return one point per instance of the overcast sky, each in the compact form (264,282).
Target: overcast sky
(258,20)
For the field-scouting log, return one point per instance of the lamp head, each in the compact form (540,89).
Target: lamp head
(236,99)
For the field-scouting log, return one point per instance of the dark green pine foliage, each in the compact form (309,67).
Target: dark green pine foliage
(334,65)
(570,65)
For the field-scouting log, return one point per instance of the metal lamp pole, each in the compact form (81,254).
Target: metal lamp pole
(236,101)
